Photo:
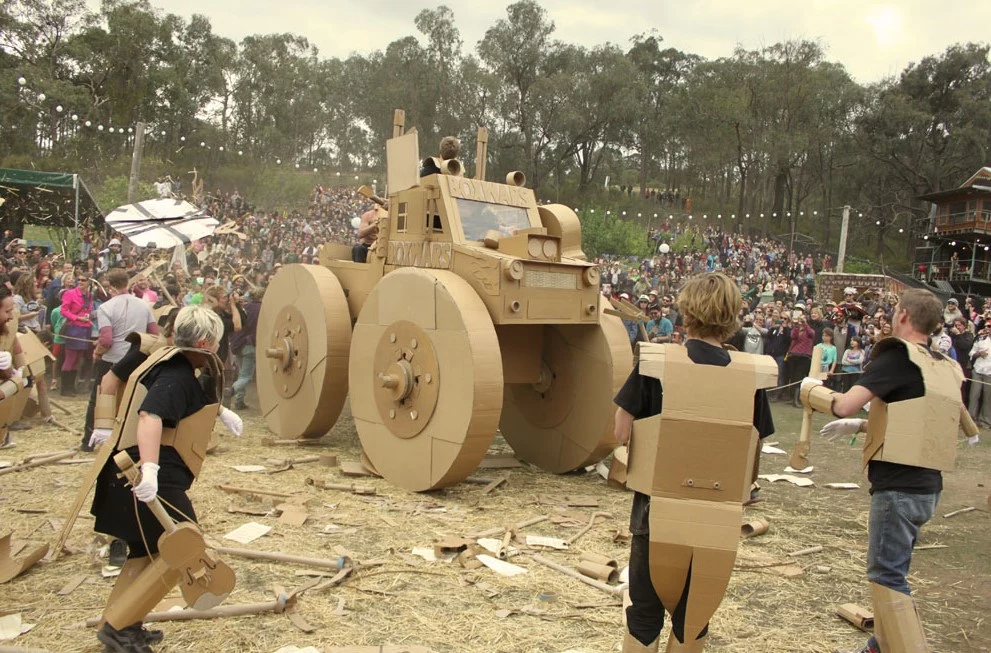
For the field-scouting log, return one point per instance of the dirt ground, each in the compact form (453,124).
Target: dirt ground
(410,601)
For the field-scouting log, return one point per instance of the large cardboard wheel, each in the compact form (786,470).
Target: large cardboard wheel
(565,420)
(302,346)
(425,378)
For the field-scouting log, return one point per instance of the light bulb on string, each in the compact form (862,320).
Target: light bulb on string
(901,231)
(163,133)
(111,130)
(130,130)
(99,128)
(278,162)
(202,143)
(59,109)
(41,97)
(877,222)
(297,166)
(314,170)
(221,148)
(356,177)
(21,81)
(240,152)
(88,123)
(182,139)
(75,117)
(655,215)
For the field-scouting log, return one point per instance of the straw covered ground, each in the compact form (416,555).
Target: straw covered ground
(405,600)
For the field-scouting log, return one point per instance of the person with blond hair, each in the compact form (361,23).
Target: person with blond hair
(710,304)
(166,433)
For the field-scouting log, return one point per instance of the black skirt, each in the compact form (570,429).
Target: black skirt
(119,514)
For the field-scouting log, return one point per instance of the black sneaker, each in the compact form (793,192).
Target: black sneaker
(118,553)
(151,636)
(127,640)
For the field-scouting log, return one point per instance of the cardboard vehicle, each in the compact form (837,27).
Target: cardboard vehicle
(477,310)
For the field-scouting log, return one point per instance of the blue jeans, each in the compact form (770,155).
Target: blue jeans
(895,520)
(246,372)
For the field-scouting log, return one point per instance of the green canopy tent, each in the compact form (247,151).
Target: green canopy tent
(57,200)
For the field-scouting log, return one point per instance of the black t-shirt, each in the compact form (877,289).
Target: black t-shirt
(132,360)
(892,376)
(174,392)
(642,396)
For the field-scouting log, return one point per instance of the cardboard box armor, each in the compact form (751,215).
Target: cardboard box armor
(696,460)
(921,432)
(191,435)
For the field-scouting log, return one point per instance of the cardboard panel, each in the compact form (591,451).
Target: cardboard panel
(710,532)
(704,459)
(403,157)
(920,432)
(643,454)
(520,346)
(407,301)
(551,308)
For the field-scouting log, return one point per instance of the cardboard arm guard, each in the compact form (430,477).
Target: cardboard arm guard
(819,398)
(967,423)
(10,388)
(105,411)
(20,360)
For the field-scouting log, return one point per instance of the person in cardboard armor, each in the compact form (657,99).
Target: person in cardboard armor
(12,362)
(915,412)
(166,417)
(692,459)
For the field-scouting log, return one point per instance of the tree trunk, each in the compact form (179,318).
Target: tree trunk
(780,190)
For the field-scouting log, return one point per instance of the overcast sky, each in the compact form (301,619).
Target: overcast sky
(872,39)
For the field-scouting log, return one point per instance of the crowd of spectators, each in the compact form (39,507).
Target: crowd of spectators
(782,316)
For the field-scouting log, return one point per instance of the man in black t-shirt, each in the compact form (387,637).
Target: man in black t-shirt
(903,496)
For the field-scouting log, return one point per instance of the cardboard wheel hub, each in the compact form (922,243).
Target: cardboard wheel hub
(565,420)
(408,379)
(451,377)
(288,351)
(304,340)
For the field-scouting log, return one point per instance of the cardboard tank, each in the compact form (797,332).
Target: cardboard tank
(476,312)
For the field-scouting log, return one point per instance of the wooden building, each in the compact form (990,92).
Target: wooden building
(954,253)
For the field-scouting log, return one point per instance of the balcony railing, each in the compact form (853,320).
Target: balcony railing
(964,221)
(954,270)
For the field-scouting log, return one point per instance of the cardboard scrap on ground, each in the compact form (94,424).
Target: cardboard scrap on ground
(788,571)
(378,649)
(501,567)
(109,571)
(805,470)
(548,542)
(351,468)
(494,546)
(797,480)
(247,533)
(248,469)
(295,649)
(11,626)
(293,514)
(5,463)
(767,448)
(73,583)
(842,486)
(860,617)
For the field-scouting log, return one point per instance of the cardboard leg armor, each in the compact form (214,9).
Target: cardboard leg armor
(897,626)
(632,645)
(691,646)
(142,583)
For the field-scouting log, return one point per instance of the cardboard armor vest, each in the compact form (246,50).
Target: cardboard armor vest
(12,405)
(921,432)
(105,408)
(695,460)
(191,435)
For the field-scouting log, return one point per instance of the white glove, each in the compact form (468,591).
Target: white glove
(232,421)
(99,436)
(974,439)
(847,426)
(6,360)
(147,489)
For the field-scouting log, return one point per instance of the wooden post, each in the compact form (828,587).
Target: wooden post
(398,123)
(481,152)
(844,230)
(139,144)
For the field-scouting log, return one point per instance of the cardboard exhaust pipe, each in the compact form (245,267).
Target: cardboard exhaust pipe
(516,178)
(603,573)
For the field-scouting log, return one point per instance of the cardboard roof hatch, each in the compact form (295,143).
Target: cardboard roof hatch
(696,460)
(923,431)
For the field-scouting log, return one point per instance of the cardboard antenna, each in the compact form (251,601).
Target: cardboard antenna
(403,161)
(481,152)
(627,311)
